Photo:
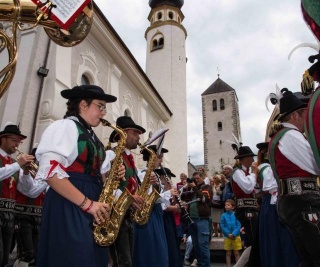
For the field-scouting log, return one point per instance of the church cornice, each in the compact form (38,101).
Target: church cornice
(164,23)
(119,49)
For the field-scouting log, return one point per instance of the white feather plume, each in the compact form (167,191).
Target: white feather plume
(313,46)
(274,98)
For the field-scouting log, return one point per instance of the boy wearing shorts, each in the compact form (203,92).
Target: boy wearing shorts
(230,227)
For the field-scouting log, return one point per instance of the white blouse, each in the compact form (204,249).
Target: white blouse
(59,143)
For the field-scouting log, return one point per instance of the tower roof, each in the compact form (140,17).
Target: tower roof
(176,3)
(217,87)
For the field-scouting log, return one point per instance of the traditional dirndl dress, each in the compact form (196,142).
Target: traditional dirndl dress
(175,258)
(66,238)
(150,244)
(276,245)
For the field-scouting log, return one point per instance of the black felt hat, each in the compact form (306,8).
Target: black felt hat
(244,151)
(87,92)
(262,145)
(125,123)
(146,154)
(12,129)
(164,171)
(289,103)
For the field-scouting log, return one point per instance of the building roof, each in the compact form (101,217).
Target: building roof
(217,87)
(176,3)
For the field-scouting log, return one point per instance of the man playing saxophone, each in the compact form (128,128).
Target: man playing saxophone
(122,249)
(11,178)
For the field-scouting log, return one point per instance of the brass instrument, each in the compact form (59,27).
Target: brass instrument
(21,12)
(106,233)
(142,216)
(33,168)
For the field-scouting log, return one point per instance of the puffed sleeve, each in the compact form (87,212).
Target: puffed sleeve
(57,149)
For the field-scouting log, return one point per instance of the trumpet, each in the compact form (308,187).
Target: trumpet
(33,168)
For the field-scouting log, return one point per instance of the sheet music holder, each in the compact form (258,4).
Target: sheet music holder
(65,12)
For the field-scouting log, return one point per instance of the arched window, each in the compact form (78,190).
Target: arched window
(219,126)
(161,41)
(170,15)
(159,15)
(158,42)
(154,44)
(221,103)
(214,105)
(85,80)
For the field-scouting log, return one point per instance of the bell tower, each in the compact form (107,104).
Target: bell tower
(221,125)
(166,68)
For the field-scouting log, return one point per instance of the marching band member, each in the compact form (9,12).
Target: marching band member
(243,183)
(276,245)
(122,249)
(27,225)
(11,178)
(150,239)
(173,243)
(72,161)
(295,169)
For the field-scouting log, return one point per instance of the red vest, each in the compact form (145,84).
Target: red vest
(22,199)
(8,186)
(285,168)
(238,192)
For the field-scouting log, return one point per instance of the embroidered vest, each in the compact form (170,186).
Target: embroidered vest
(91,154)
(8,186)
(237,191)
(131,181)
(281,166)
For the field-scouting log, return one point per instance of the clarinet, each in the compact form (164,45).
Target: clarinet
(184,213)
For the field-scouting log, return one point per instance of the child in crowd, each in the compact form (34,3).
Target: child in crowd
(230,227)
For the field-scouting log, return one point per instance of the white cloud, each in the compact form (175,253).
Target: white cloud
(249,41)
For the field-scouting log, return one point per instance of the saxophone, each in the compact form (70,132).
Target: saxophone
(106,233)
(142,216)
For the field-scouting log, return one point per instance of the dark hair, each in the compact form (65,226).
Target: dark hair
(196,173)
(73,106)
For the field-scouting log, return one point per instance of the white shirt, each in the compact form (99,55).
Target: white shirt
(245,182)
(269,182)
(25,181)
(296,148)
(59,142)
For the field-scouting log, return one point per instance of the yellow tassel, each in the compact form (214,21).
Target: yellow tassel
(275,127)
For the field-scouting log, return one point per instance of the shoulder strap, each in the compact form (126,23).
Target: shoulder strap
(310,129)
(272,149)
(261,171)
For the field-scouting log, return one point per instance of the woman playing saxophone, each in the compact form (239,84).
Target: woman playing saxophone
(150,238)
(72,161)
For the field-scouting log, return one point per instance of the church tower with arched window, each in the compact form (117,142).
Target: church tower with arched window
(221,123)
(166,68)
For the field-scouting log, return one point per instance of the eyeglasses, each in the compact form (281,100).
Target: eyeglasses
(101,108)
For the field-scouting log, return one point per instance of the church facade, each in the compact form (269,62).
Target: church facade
(33,100)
